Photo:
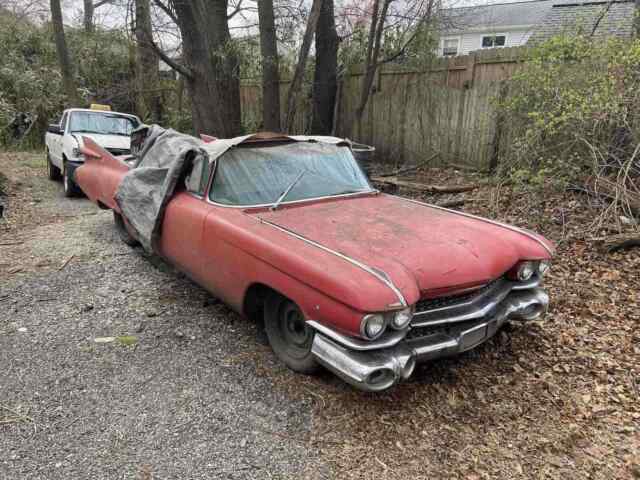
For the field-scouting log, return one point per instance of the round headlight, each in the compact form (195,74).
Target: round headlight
(372,326)
(543,267)
(526,271)
(401,318)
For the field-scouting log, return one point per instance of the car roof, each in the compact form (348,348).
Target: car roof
(70,110)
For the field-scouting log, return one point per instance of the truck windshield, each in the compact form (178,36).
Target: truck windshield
(302,170)
(101,122)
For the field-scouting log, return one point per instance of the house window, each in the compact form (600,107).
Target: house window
(450,47)
(490,41)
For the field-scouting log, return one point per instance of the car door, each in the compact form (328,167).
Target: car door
(55,145)
(182,226)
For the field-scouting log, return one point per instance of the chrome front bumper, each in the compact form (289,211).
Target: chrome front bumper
(377,370)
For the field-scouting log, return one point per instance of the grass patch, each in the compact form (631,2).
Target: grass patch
(127,340)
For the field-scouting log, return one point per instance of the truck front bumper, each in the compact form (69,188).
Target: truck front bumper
(377,370)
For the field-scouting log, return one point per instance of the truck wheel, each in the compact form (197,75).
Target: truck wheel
(70,187)
(124,234)
(52,171)
(289,335)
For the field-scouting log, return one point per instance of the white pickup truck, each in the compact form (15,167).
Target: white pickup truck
(110,130)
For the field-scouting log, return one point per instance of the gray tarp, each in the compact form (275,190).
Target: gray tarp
(163,159)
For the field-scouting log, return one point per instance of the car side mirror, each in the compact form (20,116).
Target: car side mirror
(54,128)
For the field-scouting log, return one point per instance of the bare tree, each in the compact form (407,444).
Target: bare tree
(376,28)
(325,75)
(88,13)
(298,75)
(64,59)
(209,64)
(148,96)
(414,16)
(270,72)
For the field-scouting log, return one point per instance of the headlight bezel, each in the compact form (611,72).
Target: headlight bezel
(526,266)
(407,312)
(387,321)
(369,318)
(543,267)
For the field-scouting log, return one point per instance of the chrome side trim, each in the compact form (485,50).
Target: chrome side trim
(487,220)
(393,338)
(353,261)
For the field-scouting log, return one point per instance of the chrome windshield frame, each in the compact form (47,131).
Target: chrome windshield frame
(214,170)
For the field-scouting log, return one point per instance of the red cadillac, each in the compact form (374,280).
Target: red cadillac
(289,231)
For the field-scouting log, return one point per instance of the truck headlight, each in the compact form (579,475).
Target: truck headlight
(401,318)
(373,325)
(76,152)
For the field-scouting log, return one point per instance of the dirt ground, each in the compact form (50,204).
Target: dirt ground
(185,388)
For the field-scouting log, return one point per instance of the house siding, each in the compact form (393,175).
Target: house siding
(473,41)
(469,42)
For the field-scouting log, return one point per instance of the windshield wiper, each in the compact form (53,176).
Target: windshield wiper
(282,196)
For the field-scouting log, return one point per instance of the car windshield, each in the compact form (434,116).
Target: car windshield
(101,122)
(261,175)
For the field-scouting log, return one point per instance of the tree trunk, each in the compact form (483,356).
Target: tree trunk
(325,75)
(88,16)
(298,76)
(213,80)
(148,96)
(373,52)
(66,67)
(270,72)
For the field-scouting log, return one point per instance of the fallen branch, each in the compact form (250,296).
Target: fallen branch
(422,187)
(620,241)
(6,244)
(452,203)
(66,263)
(410,169)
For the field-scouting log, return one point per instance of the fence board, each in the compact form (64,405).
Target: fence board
(448,108)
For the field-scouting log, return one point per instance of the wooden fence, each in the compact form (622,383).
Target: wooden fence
(448,108)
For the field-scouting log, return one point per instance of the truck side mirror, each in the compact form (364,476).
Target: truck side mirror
(54,128)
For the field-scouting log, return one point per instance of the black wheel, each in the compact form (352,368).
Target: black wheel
(52,171)
(289,335)
(124,234)
(70,187)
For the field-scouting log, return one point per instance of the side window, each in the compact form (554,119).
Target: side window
(63,122)
(196,180)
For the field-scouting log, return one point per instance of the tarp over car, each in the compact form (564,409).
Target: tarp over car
(163,159)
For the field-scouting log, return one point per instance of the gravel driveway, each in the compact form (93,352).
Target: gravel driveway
(177,393)
(180,387)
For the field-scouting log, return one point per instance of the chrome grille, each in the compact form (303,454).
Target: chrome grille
(440,302)
(119,151)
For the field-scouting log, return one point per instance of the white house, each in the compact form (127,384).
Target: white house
(467,29)
(488,26)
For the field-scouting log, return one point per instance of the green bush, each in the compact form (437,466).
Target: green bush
(571,108)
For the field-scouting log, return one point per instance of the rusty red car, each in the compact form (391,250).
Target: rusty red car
(366,284)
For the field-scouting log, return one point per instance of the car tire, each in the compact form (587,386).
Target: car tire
(289,335)
(123,231)
(70,188)
(53,172)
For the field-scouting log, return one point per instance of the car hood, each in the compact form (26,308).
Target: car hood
(424,250)
(107,141)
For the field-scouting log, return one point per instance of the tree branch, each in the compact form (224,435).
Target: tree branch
(181,69)
(100,3)
(236,10)
(167,10)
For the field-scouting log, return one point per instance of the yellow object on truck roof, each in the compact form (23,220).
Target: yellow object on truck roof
(98,106)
